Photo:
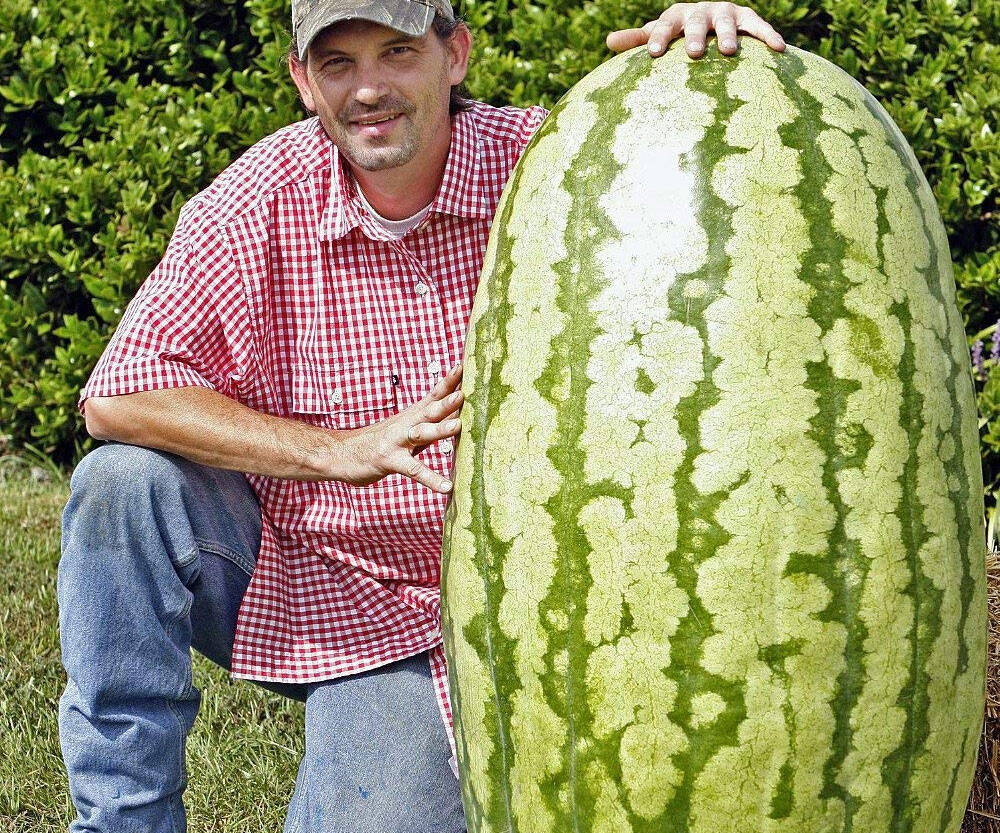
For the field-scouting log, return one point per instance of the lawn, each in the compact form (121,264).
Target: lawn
(243,753)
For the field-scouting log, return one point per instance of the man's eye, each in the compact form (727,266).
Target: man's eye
(400,50)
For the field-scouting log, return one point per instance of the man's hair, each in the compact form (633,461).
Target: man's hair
(444,29)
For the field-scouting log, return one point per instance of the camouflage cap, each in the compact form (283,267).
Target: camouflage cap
(412,17)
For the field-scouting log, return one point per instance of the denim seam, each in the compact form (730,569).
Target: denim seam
(240,560)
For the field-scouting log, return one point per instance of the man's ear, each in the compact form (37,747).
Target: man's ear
(297,70)
(459,45)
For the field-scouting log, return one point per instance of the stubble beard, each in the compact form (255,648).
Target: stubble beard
(379,159)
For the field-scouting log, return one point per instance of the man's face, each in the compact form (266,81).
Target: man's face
(382,96)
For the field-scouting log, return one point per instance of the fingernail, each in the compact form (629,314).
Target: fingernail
(656,46)
(452,424)
(445,485)
(729,44)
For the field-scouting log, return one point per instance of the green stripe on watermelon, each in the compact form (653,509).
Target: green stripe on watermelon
(592,771)
(711,706)
(638,369)
(865,240)
(960,450)
(934,694)
(487,800)
(507,682)
(845,445)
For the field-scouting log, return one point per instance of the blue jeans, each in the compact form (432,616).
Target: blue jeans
(157,552)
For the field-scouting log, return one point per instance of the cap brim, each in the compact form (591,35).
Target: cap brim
(409,18)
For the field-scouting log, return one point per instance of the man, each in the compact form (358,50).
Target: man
(278,403)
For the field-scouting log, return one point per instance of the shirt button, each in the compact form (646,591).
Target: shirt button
(421,288)
(446,446)
(434,367)
(336,397)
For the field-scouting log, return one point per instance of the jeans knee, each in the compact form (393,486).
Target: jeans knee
(111,516)
(113,498)
(131,476)
(130,497)
(114,469)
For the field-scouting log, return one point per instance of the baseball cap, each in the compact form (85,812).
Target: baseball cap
(412,17)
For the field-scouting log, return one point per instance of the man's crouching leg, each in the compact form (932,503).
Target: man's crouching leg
(377,756)
(157,552)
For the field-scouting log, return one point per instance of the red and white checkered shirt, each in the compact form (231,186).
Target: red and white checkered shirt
(281,291)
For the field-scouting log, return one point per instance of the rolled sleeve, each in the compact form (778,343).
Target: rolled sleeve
(186,326)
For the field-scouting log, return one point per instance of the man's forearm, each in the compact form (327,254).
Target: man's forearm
(210,428)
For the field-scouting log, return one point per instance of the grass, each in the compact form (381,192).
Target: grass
(245,747)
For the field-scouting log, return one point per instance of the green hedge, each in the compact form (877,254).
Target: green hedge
(115,112)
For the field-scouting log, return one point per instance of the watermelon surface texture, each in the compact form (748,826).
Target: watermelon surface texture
(714,561)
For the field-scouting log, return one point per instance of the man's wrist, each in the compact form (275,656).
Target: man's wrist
(332,455)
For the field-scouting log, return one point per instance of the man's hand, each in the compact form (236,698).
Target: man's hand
(695,21)
(391,446)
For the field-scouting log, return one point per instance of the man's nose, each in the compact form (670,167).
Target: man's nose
(370,85)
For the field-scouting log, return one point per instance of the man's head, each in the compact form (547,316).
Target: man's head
(353,72)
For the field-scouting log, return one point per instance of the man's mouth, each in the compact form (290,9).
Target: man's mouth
(377,125)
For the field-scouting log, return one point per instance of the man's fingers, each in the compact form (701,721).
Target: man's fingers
(663,31)
(628,38)
(416,470)
(695,21)
(448,383)
(438,409)
(695,32)
(725,26)
(424,433)
(418,437)
(750,22)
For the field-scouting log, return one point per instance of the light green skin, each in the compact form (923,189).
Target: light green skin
(715,556)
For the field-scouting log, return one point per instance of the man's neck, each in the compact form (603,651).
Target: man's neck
(399,193)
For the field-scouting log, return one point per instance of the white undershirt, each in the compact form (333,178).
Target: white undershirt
(395,228)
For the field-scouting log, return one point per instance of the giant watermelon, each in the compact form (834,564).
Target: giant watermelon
(714,560)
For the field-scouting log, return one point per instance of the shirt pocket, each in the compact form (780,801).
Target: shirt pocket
(351,396)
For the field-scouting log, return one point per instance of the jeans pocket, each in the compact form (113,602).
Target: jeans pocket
(239,559)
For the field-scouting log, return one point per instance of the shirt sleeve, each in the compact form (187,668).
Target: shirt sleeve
(186,326)
(533,118)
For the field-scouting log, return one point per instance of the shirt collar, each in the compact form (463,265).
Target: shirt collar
(460,193)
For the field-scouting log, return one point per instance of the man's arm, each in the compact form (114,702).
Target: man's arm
(208,427)
(695,21)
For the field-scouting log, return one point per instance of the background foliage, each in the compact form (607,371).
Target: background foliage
(116,112)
